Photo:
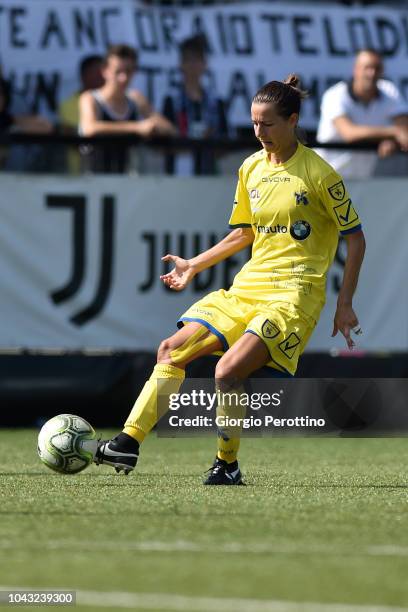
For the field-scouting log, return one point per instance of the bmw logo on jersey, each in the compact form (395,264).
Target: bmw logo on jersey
(300,230)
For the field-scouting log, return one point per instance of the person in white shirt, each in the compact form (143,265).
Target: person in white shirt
(366,108)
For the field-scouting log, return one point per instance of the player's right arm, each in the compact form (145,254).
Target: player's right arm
(242,235)
(185,269)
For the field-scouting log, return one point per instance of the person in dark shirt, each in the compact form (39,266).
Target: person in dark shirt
(194,110)
(116,109)
(18,157)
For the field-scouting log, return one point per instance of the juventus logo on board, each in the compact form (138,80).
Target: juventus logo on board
(78,207)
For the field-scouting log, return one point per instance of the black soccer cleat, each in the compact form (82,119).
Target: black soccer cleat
(223,473)
(123,457)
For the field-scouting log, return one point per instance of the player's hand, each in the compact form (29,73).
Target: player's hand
(345,320)
(401,136)
(386,147)
(182,273)
(145,127)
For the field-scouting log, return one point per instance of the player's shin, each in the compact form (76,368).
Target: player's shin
(152,402)
(230,414)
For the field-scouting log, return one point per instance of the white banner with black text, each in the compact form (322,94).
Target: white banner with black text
(80,260)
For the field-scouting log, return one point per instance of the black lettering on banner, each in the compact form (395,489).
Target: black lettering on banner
(169,22)
(150,73)
(146,30)
(37,89)
(84,28)
(105,16)
(20,83)
(199,26)
(78,206)
(403,86)
(46,89)
(204,279)
(16,27)
(388,37)
(359,34)
(158,245)
(274,22)
(53,29)
(174,79)
(301,24)
(230,268)
(106,265)
(241,34)
(238,89)
(330,40)
(222,32)
(404,23)
(289,345)
(151,259)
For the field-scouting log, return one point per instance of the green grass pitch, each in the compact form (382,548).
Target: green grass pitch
(322,521)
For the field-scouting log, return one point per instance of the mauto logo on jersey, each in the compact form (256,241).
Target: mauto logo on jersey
(272,229)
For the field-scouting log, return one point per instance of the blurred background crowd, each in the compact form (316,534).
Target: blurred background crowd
(366,115)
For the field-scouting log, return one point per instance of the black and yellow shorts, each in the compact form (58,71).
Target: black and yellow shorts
(283,327)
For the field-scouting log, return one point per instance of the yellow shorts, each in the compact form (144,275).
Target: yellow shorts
(283,327)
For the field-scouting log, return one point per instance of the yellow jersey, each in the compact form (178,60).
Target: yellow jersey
(296,210)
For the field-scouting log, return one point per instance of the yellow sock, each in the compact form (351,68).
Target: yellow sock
(229,436)
(153,401)
(228,449)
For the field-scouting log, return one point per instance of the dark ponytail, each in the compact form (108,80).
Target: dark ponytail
(287,95)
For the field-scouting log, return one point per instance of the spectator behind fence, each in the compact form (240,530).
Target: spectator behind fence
(195,110)
(366,108)
(18,157)
(115,109)
(90,75)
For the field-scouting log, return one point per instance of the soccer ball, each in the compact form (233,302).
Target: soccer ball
(67,444)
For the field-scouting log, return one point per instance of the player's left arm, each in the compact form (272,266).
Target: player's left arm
(345,319)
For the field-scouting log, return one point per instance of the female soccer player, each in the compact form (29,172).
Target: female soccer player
(291,206)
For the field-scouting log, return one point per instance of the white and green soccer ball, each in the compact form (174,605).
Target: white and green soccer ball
(67,444)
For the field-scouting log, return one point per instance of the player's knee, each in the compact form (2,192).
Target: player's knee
(227,372)
(171,351)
